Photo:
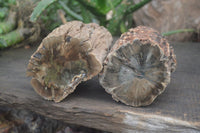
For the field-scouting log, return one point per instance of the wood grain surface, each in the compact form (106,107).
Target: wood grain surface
(176,110)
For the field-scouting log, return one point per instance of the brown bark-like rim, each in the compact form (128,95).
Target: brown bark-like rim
(72,53)
(139,67)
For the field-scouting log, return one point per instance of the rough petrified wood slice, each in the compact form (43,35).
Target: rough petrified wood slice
(72,53)
(138,67)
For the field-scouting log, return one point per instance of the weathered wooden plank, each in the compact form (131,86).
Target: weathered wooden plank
(176,110)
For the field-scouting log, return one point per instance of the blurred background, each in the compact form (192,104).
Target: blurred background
(24,23)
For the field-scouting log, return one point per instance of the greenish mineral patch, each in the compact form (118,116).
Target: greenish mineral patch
(60,75)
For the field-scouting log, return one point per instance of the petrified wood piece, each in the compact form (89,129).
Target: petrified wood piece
(138,67)
(72,53)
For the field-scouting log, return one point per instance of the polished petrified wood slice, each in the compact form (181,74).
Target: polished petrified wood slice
(72,53)
(139,66)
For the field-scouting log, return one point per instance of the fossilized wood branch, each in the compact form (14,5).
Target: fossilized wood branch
(139,66)
(72,53)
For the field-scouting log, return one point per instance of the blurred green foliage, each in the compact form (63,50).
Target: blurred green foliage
(89,11)
(6,26)
(96,11)
(4,8)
